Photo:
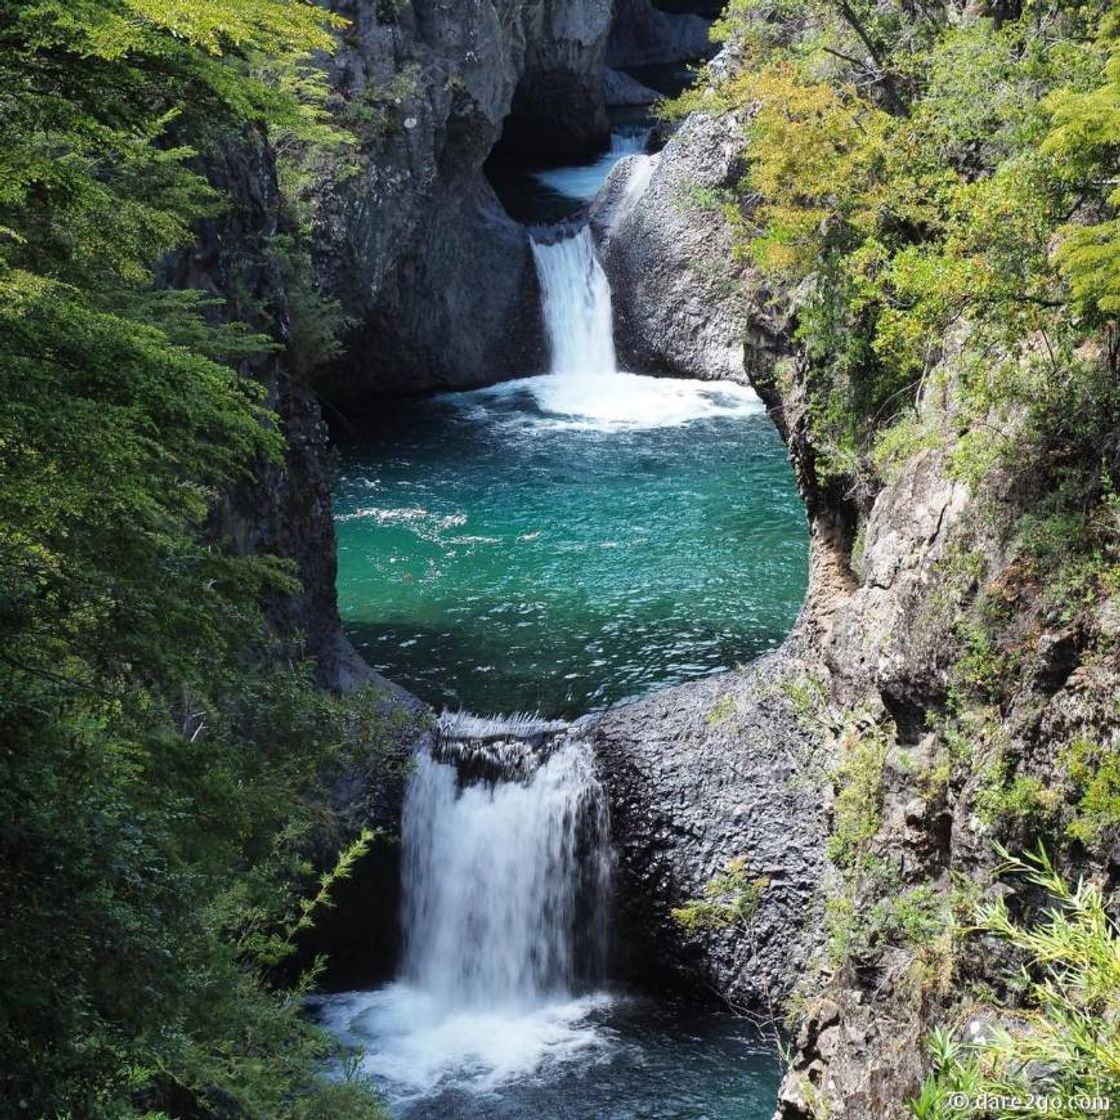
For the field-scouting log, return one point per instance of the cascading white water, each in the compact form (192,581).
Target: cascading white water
(577,305)
(506,874)
(505,882)
(584,387)
(580,183)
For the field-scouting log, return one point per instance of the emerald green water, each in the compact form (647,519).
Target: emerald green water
(555,547)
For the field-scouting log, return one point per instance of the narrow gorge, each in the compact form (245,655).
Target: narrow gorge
(561,560)
(555,544)
(607,547)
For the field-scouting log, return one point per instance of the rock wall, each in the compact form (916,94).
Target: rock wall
(729,767)
(893,657)
(682,303)
(642,35)
(286,509)
(698,776)
(437,279)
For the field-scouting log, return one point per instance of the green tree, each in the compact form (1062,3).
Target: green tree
(158,758)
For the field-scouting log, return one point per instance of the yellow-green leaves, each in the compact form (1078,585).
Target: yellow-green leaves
(814,156)
(269,26)
(904,178)
(153,760)
(118,28)
(1085,146)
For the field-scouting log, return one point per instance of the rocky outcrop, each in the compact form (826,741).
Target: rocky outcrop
(643,35)
(698,776)
(436,278)
(461,309)
(683,305)
(558,113)
(286,509)
(619,88)
(885,640)
(872,676)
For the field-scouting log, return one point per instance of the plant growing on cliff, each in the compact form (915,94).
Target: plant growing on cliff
(730,899)
(1064,1045)
(159,749)
(913,176)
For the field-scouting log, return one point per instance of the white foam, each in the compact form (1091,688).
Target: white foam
(416,1044)
(584,181)
(624,401)
(639,172)
(407,515)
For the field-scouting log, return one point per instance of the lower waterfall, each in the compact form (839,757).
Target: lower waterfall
(500,1010)
(505,881)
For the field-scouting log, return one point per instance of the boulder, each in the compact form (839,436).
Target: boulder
(620,89)
(697,776)
(682,302)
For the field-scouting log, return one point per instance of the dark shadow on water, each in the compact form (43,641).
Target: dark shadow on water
(556,682)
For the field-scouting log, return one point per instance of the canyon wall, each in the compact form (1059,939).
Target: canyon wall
(437,280)
(858,761)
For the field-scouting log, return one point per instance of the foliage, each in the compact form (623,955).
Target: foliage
(1095,773)
(160,751)
(808,698)
(723,709)
(933,188)
(1064,1046)
(1020,799)
(857,810)
(731,898)
(875,909)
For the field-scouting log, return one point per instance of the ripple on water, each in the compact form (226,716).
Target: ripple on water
(564,543)
(600,1055)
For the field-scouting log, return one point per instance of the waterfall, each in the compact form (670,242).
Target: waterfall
(577,305)
(630,142)
(505,882)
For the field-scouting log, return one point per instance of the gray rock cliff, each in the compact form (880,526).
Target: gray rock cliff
(436,278)
(698,776)
(286,509)
(681,301)
(642,35)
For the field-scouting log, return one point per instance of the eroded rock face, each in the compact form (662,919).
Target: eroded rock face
(697,776)
(892,654)
(437,278)
(682,304)
(644,36)
(885,640)
(286,510)
(558,113)
(461,309)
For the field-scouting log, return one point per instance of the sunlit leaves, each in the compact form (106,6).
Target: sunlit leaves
(156,745)
(914,175)
(1085,144)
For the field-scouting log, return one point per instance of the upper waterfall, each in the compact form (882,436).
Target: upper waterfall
(576,301)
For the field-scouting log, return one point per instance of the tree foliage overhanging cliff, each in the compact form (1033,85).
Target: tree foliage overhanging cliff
(156,755)
(930,193)
(926,174)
